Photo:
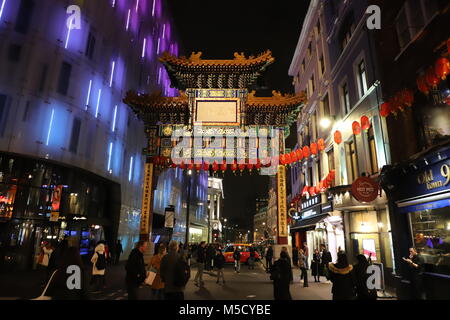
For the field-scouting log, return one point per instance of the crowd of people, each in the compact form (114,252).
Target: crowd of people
(169,269)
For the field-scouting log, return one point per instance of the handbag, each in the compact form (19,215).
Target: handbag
(43,296)
(151,275)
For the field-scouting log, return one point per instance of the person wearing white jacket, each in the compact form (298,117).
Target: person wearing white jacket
(98,266)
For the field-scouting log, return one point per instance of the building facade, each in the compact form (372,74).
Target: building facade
(71,150)
(335,62)
(215,209)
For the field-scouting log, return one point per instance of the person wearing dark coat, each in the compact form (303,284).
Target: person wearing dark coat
(416,267)
(361,276)
(219,262)
(325,261)
(135,268)
(290,263)
(118,250)
(237,259)
(201,259)
(251,259)
(295,256)
(315,266)
(342,277)
(280,274)
(210,253)
(58,287)
(169,273)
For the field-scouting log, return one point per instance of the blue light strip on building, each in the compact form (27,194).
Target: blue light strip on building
(98,102)
(112,73)
(153,9)
(50,127)
(114,120)
(137,5)
(128,20)
(68,33)
(88,95)
(109,155)
(143,47)
(131,169)
(3,6)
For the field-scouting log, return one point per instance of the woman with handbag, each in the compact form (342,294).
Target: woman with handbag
(157,284)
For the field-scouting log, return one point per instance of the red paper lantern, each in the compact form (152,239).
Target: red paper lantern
(250,166)
(338,137)
(305,190)
(287,158)
(365,123)
(422,85)
(325,183)
(258,165)
(395,105)
(267,162)
(205,166)
(442,67)
(407,97)
(431,77)
(173,165)
(182,165)
(191,165)
(234,166)
(282,159)
(385,109)
(321,144)
(198,167)
(299,153)
(242,167)
(313,148)
(317,189)
(306,152)
(356,128)
(223,167)
(293,157)
(215,166)
(312,191)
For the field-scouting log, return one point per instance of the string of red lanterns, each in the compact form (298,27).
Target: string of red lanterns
(321,187)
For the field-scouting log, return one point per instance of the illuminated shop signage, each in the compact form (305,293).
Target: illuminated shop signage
(431,181)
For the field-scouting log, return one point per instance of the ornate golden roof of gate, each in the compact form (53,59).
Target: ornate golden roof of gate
(195,60)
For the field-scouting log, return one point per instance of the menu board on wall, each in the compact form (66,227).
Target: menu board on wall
(146,199)
(282,208)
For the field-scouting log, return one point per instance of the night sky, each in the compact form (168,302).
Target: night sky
(220,28)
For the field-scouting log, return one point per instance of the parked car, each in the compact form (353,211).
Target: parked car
(245,253)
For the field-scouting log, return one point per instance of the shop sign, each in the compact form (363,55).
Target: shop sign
(441,178)
(282,207)
(169,217)
(312,201)
(294,214)
(56,197)
(365,189)
(311,212)
(146,199)
(54,216)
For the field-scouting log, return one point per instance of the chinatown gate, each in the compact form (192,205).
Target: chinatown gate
(216,124)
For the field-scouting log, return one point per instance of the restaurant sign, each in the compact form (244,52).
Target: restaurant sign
(146,199)
(282,207)
(365,189)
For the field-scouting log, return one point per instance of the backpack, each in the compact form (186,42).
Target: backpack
(100,264)
(182,273)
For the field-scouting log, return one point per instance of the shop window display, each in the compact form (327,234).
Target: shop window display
(431,234)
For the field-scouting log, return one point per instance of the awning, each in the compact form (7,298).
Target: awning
(309,222)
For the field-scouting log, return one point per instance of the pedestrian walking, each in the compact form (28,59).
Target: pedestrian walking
(57,255)
(135,268)
(342,277)
(155,264)
(201,259)
(284,249)
(210,253)
(269,257)
(251,259)
(361,276)
(219,262)
(325,261)
(175,273)
(280,274)
(61,287)
(98,267)
(416,266)
(44,259)
(237,259)
(295,256)
(315,266)
(117,252)
(303,264)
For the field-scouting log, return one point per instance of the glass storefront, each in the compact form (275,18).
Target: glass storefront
(431,236)
(28,189)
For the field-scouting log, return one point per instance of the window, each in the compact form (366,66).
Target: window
(318,27)
(330,156)
(311,86)
(75,135)
(322,65)
(362,77)
(90,46)
(314,127)
(64,78)
(309,50)
(326,107)
(372,151)
(310,176)
(24,16)
(319,169)
(43,77)
(303,65)
(352,162)
(346,31)
(345,98)
(14,52)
